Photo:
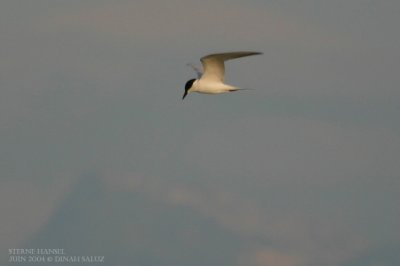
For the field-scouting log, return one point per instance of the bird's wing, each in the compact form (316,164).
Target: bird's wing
(196,69)
(213,64)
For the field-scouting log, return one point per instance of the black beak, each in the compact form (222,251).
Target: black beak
(184,95)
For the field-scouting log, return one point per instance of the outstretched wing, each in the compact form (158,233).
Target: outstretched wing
(213,64)
(196,69)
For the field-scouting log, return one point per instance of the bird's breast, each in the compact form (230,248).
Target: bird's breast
(202,86)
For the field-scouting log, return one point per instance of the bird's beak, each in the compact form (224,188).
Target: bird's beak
(184,95)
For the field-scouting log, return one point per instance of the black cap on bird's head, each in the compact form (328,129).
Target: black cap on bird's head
(188,85)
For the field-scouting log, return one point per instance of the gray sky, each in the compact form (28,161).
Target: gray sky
(100,156)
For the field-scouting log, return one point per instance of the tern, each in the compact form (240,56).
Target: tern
(211,81)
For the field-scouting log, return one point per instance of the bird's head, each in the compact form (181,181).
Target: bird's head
(188,86)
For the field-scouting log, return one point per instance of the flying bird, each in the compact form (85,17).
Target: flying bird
(211,80)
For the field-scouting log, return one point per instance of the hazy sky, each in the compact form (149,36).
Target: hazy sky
(100,156)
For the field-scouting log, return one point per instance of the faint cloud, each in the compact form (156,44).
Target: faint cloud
(270,257)
(25,207)
(327,242)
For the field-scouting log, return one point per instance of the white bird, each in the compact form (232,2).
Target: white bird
(211,81)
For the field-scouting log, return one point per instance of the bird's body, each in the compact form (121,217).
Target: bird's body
(211,87)
(211,81)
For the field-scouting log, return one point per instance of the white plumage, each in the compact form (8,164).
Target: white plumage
(211,81)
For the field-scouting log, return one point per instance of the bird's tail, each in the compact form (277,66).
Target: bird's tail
(241,89)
